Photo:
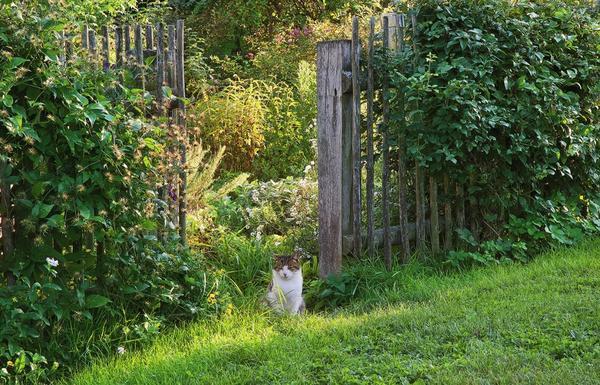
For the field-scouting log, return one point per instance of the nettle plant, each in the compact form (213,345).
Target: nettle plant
(504,97)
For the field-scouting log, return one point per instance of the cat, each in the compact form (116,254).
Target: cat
(285,290)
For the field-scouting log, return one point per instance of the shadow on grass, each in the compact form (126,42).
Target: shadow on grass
(534,324)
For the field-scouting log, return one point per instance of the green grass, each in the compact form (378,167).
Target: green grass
(517,324)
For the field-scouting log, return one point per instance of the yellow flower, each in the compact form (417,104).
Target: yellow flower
(229,309)
(212,298)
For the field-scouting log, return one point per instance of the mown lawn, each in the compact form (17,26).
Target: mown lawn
(520,324)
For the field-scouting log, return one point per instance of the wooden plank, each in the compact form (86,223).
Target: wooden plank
(149,37)
(171,57)
(434,215)
(473,207)
(6,220)
(127,38)
(93,47)
(419,172)
(119,46)
(419,205)
(180,80)
(402,169)
(347,166)
(160,69)
(356,153)
(85,37)
(385,153)
(160,81)
(447,214)
(330,64)
(370,150)
(139,58)
(62,55)
(392,38)
(172,179)
(460,206)
(105,49)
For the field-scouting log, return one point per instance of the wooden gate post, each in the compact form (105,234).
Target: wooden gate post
(334,121)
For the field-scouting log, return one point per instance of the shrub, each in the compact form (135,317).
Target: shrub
(505,100)
(262,126)
(80,165)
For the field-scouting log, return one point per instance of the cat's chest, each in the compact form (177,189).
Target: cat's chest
(287,287)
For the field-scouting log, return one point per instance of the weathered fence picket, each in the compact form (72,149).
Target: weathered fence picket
(330,66)
(385,153)
(356,153)
(402,172)
(370,150)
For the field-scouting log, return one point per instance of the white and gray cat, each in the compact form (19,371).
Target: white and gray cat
(285,289)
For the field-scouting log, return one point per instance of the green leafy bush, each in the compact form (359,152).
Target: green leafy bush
(80,164)
(262,125)
(503,97)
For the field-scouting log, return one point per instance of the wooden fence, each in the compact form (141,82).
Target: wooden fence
(125,48)
(344,87)
(131,46)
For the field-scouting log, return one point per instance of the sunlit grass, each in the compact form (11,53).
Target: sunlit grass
(531,324)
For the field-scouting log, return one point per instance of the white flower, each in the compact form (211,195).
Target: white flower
(52,262)
(121,350)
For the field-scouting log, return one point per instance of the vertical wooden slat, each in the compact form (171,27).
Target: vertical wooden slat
(356,153)
(68,49)
(419,205)
(460,206)
(370,151)
(347,165)
(160,69)
(105,49)
(434,214)
(330,64)
(171,82)
(447,214)
(85,37)
(180,79)
(149,37)
(127,38)
(171,57)
(93,47)
(160,80)
(419,172)
(402,171)
(63,55)
(6,219)
(119,46)
(473,207)
(385,151)
(139,57)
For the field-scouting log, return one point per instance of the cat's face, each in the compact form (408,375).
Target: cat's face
(287,266)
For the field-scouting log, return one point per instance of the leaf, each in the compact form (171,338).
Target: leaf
(16,61)
(95,301)
(85,211)
(41,210)
(8,101)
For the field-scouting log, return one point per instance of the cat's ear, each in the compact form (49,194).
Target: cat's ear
(297,255)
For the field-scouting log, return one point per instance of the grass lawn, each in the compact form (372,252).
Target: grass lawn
(519,324)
